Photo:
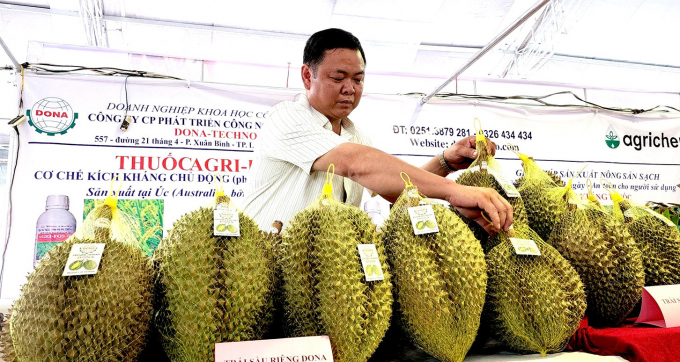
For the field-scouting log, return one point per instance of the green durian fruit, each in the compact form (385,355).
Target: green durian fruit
(325,289)
(657,238)
(90,264)
(439,279)
(605,256)
(7,352)
(211,289)
(76,265)
(479,175)
(100,317)
(534,303)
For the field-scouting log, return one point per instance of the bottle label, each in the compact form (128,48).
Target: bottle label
(49,236)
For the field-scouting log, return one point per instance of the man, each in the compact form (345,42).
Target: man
(302,138)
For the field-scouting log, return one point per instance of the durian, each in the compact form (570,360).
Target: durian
(101,317)
(479,174)
(657,238)
(325,289)
(211,289)
(603,253)
(439,279)
(535,303)
(6,344)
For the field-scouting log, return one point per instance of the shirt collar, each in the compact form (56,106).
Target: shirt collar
(347,130)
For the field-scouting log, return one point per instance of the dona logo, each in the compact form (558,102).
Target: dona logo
(52,116)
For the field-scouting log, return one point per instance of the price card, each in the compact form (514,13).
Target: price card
(525,246)
(226,221)
(317,348)
(83,259)
(423,220)
(370,262)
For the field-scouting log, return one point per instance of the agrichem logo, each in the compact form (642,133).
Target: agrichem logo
(52,116)
(612,138)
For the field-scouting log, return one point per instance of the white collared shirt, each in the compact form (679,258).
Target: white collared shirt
(279,182)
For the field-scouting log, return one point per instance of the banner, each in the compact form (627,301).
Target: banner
(186,139)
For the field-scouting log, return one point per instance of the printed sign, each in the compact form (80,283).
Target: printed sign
(317,348)
(660,306)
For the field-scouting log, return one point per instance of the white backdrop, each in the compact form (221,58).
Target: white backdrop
(182,135)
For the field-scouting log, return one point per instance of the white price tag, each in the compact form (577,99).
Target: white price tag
(509,188)
(525,246)
(83,259)
(423,220)
(371,262)
(483,165)
(226,221)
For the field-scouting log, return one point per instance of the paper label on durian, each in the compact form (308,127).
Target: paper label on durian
(226,221)
(509,188)
(370,262)
(83,259)
(483,165)
(525,246)
(423,220)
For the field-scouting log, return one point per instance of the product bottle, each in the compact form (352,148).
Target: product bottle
(55,225)
(372,208)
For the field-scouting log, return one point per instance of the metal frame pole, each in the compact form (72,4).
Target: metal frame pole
(488,47)
(9,54)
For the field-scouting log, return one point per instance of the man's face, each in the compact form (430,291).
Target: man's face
(338,85)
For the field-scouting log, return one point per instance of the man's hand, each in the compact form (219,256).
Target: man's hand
(472,201)
(461,154)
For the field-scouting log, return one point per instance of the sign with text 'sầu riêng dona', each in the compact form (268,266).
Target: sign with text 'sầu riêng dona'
(299,349)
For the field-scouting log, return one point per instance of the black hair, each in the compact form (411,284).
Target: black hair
(328,39)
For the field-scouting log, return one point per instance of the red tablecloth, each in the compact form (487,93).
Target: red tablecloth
(634,342)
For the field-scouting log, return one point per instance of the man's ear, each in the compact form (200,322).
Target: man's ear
(306,76)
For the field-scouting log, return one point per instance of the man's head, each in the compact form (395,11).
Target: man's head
(333,72)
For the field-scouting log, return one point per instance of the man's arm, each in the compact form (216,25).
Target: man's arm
(380,172)
(459,156)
